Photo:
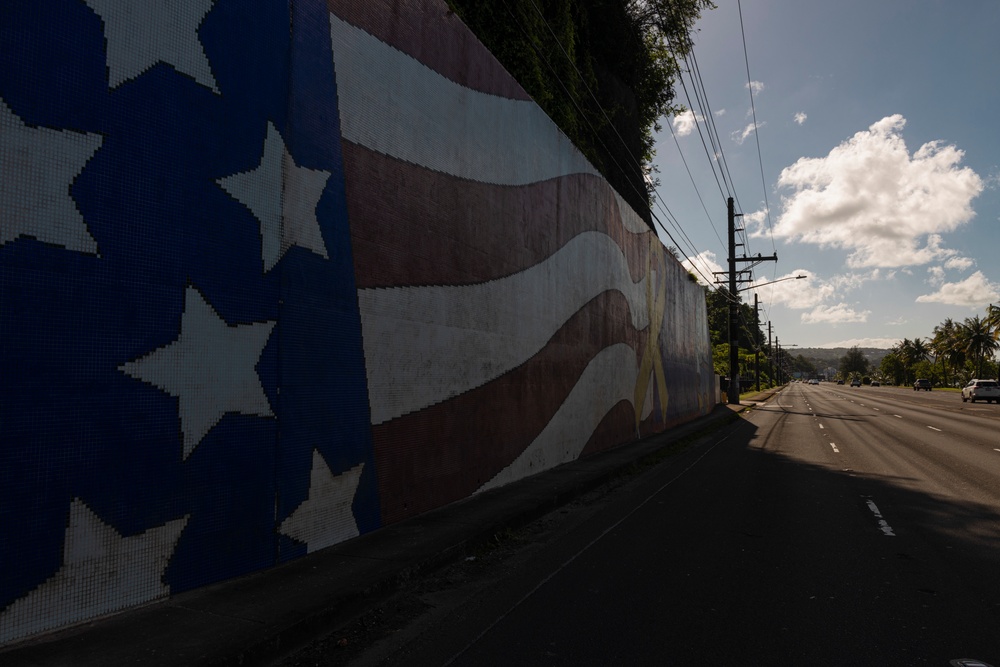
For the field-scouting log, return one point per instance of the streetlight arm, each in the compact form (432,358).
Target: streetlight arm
(779,280)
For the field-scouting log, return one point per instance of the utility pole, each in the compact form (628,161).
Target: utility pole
(734,345)
(756,329)
(770,354)
(777,356)
(734,304)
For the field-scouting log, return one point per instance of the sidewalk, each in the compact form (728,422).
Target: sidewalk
(257,618)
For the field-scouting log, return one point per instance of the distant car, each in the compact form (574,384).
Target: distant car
(840,382)
(875,383)
(922,384)
(981,390)
(814,381)
(855,383)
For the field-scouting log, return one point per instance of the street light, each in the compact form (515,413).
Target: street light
(779,280)
(734,381)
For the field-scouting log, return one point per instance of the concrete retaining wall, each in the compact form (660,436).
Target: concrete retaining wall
(277,273)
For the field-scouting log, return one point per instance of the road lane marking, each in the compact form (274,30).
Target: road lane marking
(934,429)
(882,523)
(836,451)
(898,416)
(821,426)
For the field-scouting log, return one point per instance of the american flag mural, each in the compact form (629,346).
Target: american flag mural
(276,273)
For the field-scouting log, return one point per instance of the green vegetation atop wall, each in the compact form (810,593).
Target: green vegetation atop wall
(603,70)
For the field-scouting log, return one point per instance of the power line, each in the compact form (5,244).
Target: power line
(695,186)
(756,133)
(670,217)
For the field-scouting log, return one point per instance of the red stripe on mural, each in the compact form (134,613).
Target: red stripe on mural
(428,31)
(445,452)
(436,229)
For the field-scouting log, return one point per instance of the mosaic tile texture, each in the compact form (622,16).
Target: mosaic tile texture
(275,273)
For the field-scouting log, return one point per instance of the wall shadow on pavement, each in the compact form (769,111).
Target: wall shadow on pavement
(937,574)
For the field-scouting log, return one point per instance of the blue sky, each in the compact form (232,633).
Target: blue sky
(877,123)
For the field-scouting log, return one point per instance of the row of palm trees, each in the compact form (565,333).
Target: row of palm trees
(955,345)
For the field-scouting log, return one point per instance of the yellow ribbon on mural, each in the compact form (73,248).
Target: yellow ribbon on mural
(652,361)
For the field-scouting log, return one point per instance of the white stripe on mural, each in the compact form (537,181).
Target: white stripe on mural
(609,378)
(424,345)
(395,105)
(630,219)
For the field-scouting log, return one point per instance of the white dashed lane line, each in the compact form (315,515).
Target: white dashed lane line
(835,450)
(882,523)
(934,429)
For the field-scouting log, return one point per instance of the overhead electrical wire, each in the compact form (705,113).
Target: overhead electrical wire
(695,185)
(716,157)
(698,84)
(670,217)
(756,133)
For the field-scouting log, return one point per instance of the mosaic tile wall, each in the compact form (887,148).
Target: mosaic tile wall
(276,273)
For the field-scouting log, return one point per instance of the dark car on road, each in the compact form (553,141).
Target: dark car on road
(922,384)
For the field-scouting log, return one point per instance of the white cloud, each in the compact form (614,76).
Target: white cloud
(877,343)
(852,281)
(795,294)
(686,122)
(720,113)
(812,292)
(739,136)
(705,262)
(973,292)
(936,276)
(754,86)
(756,219)
(960,263)
(800,118)
(871,197)
(839,314)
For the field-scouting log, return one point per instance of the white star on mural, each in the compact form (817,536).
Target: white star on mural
(210,368)
(283,197)
(141,34)
(35,196)
(325,518)
(101,572)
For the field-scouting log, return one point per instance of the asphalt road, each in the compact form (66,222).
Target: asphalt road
(832,526)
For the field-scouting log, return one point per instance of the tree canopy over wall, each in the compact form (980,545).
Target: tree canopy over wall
(602,69)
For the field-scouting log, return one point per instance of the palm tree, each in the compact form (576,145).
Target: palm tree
(993,319)
(978,341)
(910,352)
(943,344)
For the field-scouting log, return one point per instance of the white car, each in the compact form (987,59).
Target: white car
(981,390)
